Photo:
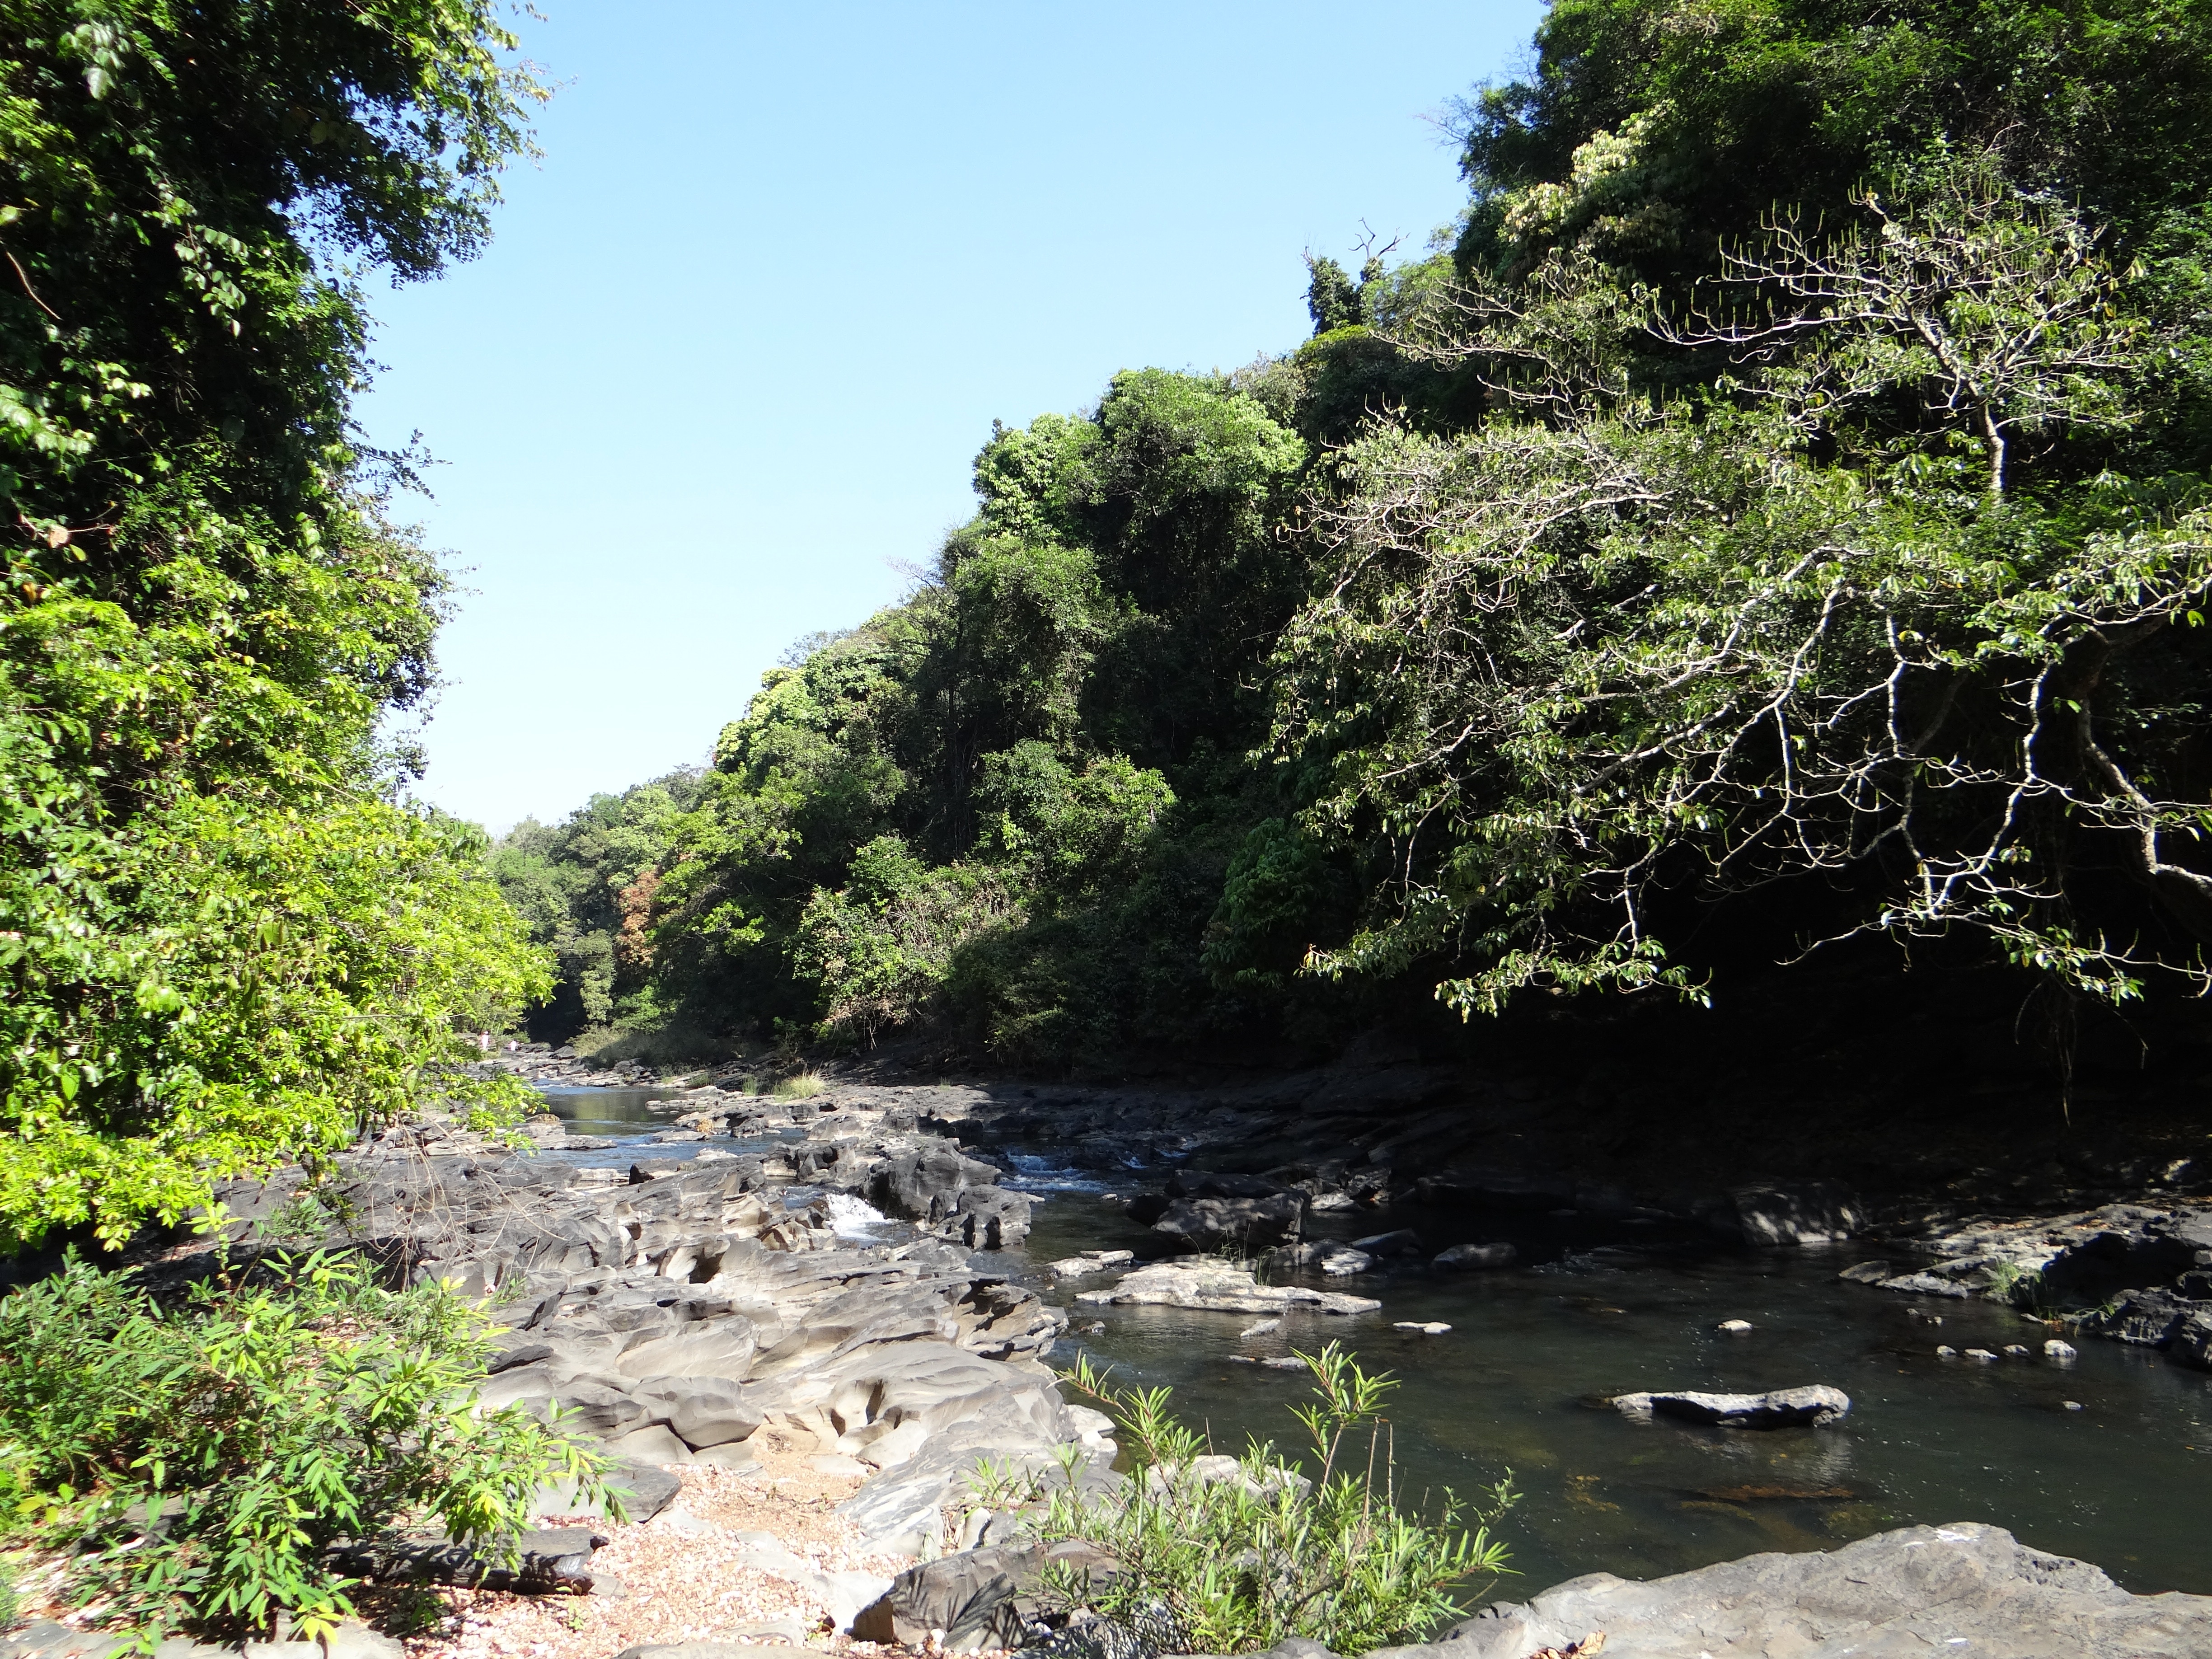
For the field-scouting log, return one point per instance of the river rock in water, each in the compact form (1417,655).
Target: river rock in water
(1963,1589)
(1217,1287)
(1816,1407)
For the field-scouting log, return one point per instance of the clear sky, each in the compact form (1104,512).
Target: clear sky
(740,335)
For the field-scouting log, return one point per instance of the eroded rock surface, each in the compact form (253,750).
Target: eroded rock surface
(2125,1270)
(1961,1589)
(672,1309)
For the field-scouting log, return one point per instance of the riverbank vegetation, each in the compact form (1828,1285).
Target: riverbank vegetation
(198,1463)
(1773,519)
(226,938)
(1239,1554)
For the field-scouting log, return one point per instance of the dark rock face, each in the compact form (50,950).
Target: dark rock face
(969,1598)
(547,1559)
(1247,1223)
(1779,1408)
(2125,1271)
(1959,1589)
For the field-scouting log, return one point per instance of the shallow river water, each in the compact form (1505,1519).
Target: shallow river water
(1600,1309)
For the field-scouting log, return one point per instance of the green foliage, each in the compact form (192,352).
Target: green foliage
(1875,604)
(965,809)
(199,1461)
(1656,130)
(585,888)
(1246,1556)
(224,941)
(1788,478)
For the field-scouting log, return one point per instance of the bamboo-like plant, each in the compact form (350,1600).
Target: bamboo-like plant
(1238,1556)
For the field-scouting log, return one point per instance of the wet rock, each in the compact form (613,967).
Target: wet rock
(925,1184)
(1220,1288)
(989,1217)
(2061,1352)
(1778,1408)
(1734,1327)
(1964,1588)
(1404,1242)
(1461,1257)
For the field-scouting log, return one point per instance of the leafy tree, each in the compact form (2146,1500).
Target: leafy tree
(965,807)
(206,610)
(1662,128)
(585,888)
(1852,616)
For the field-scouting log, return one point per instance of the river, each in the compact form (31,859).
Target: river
(1599,1308)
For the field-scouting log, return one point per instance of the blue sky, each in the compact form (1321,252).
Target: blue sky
(740,335)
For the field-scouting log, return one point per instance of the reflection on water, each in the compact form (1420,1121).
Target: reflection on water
(610,1111)
(1515,1385)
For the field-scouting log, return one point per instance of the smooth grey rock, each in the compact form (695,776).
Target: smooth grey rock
(1778,1408)
(1217,1287)
(965,1601)
(1461,1257)
(1966,1588)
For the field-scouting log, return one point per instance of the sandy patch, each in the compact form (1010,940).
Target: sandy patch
(685,1575)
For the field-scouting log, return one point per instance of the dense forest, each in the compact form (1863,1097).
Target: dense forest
(1769,525)
(1772,518)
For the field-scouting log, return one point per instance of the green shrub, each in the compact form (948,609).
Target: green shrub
(805,1086)
(1242,1559)
(199,1461)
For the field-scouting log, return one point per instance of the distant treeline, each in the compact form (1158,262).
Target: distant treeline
(1776,512)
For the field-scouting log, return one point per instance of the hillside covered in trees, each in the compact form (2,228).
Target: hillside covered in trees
(1770,527)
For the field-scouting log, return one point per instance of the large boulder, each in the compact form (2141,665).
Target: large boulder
(1814,1406)
(1217,1287)
(1965,1588)
(925,1184)
(957,1603)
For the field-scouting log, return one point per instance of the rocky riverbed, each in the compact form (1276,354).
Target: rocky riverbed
(722,1301)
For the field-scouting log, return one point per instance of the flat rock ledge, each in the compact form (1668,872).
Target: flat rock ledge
(1963,1589)
(1217,1287)
(1814,1406)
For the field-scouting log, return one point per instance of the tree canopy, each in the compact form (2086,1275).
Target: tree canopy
(227,939)
(1782,496)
